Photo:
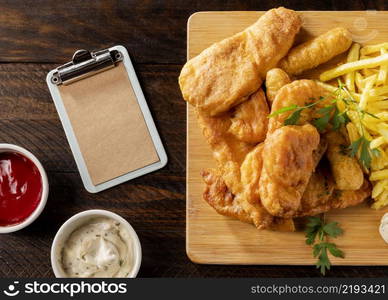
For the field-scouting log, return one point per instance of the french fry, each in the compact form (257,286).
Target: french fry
(353,55)
(359,80)
(382,201)
(377,142)
(379,188)
(379,175)
(380,105)
(352,132)
(383,130)
(379,91)
(382,115)
(382,78)
(353,66)
(373,48)
(365,101)
(369,82)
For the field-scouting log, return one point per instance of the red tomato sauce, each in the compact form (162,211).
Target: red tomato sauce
(20,188)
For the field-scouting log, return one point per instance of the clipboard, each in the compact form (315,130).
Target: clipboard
(106,119)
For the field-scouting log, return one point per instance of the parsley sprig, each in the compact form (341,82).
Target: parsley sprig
(360,146)
(317,232)
(330,114)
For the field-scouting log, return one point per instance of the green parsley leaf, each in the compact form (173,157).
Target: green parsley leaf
(354,147)
(283,110)
(334,250)
(293,118)
(365,155)
(325,110)
(332,229)
(362,146)
(316,227)
(323,262)
(322,122)
(339,119)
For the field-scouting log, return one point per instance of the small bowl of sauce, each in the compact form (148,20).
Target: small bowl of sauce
(23,188)
(96,244)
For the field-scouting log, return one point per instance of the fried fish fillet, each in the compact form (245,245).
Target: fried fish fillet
(319,191)
(346,170)
(218,196)
(275,79)
(227,72)
(314,52)
(228,143)
(228,151)
(287,168)
(250,119)
(249,198)
(298,92)
(346,198)
(322,195)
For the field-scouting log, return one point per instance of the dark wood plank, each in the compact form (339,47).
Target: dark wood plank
(153,31)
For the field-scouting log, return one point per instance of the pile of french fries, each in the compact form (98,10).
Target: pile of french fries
(365,75)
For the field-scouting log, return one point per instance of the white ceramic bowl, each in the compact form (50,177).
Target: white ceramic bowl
(75,222)
(45,190)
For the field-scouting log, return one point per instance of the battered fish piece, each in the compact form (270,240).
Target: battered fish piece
(228,143)
(346,170)
(317,51)
(218,196)
(276,78)
(249,199)
(226,73)
(287,168)
(228,151)
(346,198)
(298,92)
(319,191)
(250,119)
(322,195)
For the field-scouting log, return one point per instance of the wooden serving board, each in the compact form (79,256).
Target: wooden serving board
(215,239)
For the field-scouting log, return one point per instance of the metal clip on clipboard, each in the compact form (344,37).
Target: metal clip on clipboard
(85,63)
(106,119)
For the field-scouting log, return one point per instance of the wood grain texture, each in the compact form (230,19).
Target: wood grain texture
(35,36)
(153,31)
(214,239)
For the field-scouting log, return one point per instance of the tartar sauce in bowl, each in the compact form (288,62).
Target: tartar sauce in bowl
(96,244)
(99,248)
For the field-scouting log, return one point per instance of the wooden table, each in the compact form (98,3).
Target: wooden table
(36,36)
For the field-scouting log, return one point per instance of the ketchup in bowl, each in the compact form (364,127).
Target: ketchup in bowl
(20,188)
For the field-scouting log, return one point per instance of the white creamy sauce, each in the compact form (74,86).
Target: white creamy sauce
(384,227)
(99,248)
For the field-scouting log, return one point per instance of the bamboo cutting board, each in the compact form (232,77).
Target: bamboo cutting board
(215,239)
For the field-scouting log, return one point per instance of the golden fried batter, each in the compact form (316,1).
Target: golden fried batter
(225,203)
(228,145)
(249,198)
(287,168)
(276,78)
(346,170)
(346,198)
(298,92)
(250,119)
(316,197)
(316,51)
(227,72)
(220,198)
(228,151)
